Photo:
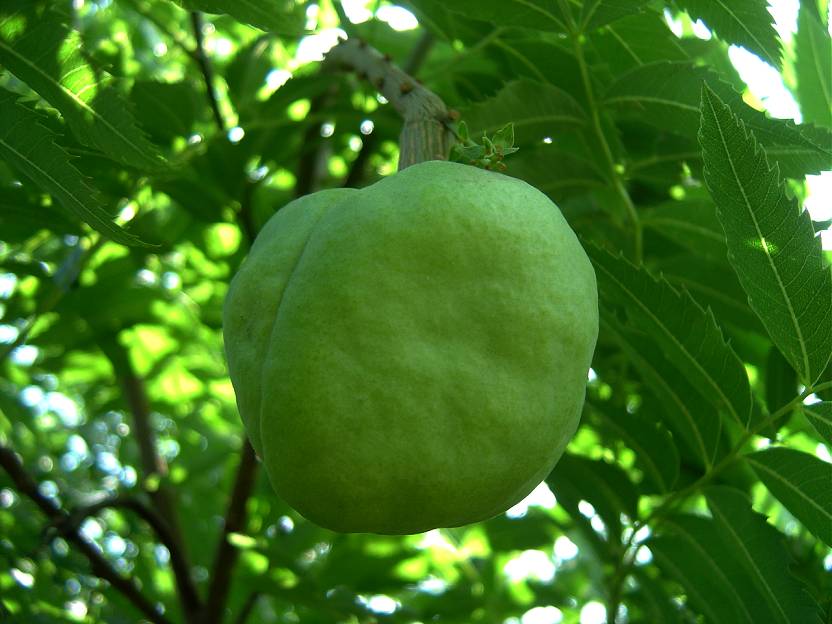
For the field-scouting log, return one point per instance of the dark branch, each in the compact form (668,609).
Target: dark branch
(248,608)
(425,134)
(370,142)
(227,553)
(206,69)
(179,565)
(307,177)
(154,466)
(27,486)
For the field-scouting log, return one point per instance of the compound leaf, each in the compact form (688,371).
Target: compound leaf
(30,148)
(771,242)
(760,550)
(42,51)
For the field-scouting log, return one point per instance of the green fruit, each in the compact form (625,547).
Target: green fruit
(414,354)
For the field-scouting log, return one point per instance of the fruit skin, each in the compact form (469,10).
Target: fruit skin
(414,354)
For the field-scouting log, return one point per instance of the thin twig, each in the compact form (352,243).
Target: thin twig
(27,486)
(201,57)
(227,553)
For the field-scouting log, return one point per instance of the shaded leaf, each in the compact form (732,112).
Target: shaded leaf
(759,549)
(605,486)
(771,242)
(30,147)
(781,381)
(688,334)
(666,95)
(534,108)
(819,416)
(813,67)
(690,223)
(555,172)
(713,284)
(747,23)
(802,482)
(166,110)
(42,51)
(688,414)
(690,549)
(655,451)
(597,13)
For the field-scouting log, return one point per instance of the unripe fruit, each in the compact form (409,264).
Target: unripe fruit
(414,354)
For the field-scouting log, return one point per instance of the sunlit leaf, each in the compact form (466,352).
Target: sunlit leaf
(771,242)
(279,16)
(747,23)
(814,68)
(30,147)
(801,482)
(42,51)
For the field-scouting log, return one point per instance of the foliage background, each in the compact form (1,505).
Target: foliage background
(699,486)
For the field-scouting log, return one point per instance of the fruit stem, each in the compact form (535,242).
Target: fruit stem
(425,134)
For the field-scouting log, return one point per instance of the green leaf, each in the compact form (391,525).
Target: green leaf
(42,51)
(687,413)
(655,451)
(666,95)
(536,110)
(597,13)
(165,109)
(692,223)
(713,284)
(760,550)
(637,40)
(605,486)
(689,335)
(813,67)
(690,549)
(555,171)
(781,381)
(771,243)
(747,23)
(802,482)
(538,14)
(819,416)
(282,17)
(653,599)
(30,148)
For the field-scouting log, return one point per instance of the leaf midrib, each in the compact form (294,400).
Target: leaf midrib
(79,102)
(781,286)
